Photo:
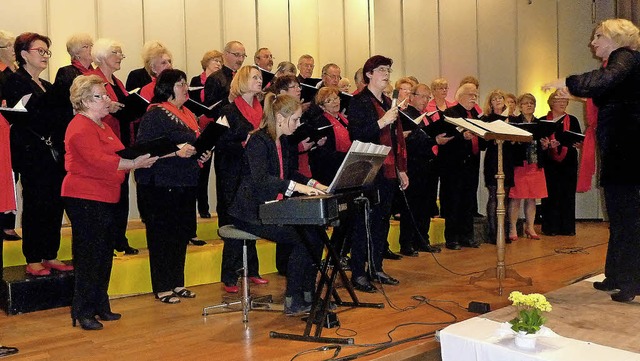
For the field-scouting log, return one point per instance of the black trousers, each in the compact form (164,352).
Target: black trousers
(623,208)
(307,245)
(559,208)
(42,211)
(203,187)
(121,217)
(93,235)
(415,216)
(457,194)
(362,251)
(168,213)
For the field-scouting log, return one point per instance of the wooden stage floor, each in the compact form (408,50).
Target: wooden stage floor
(433,293)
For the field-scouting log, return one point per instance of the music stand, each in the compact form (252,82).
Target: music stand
(358,170)
(500,132)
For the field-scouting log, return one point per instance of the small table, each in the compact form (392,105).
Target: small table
(477,339)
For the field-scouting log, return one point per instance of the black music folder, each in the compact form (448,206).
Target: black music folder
(440,126)
(200,109)
(157,147)
(345,98)
(267,77)
(569,138)
(194,92)
(307,92)
(18,113)
(306,130)
(311,81)
(540,129)
(208,138)
(134,107)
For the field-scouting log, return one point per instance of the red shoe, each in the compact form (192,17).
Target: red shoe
(531,235)
(231,289)
(259,280)
(57,265)
(38,272)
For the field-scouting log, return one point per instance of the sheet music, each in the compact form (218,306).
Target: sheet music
(483,129)
(20,105)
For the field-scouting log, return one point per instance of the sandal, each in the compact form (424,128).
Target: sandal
(171,299)
(7,350)
(185,293)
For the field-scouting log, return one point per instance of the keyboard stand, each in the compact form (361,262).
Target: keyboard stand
(325,290)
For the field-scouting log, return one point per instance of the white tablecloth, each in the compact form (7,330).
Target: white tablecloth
(480,339)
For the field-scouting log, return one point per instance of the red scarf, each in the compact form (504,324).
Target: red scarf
(398,156)
(475,147)
(203,80)
(253,112)
(558,154)
(343,142)
(110,119)
(184,114)
(78,65)
(147,91)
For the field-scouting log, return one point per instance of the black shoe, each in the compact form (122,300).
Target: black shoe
(470,244)
(362,284)
(109,316)
(409,252)
(454,246)
(429,248)
(624,295)
(384,278)
(88,323)
(205,215)
(128,250)
(10,237)
(606,285)
(390,255)
(197,242)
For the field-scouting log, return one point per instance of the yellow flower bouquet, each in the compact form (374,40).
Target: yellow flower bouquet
(530,308)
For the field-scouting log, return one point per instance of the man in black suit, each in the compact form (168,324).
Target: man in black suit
(305,69)
(264,59)
(459,160)
(216,87)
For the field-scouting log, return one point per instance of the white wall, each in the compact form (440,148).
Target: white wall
(514,45)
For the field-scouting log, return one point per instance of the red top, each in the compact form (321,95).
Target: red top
(147,91)
(7,196)
(110,119)
(91,161)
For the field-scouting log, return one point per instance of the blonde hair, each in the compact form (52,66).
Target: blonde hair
(526,96)
(405,80)
(208,56)
(488,109)
(240,83)
(76,42)
(622,32)
(6,37)
(439,83)
(282,104)
(152,53)
(82,89)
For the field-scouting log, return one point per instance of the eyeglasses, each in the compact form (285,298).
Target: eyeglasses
(238,55)
(332,100)
(118,53)
(427,96)
(42,51)
(87,46)
(181,84)
(101,96)
(334,77)
(384,70)
(294,86)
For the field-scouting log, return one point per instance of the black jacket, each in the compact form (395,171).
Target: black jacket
(615,92)
(260,178)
